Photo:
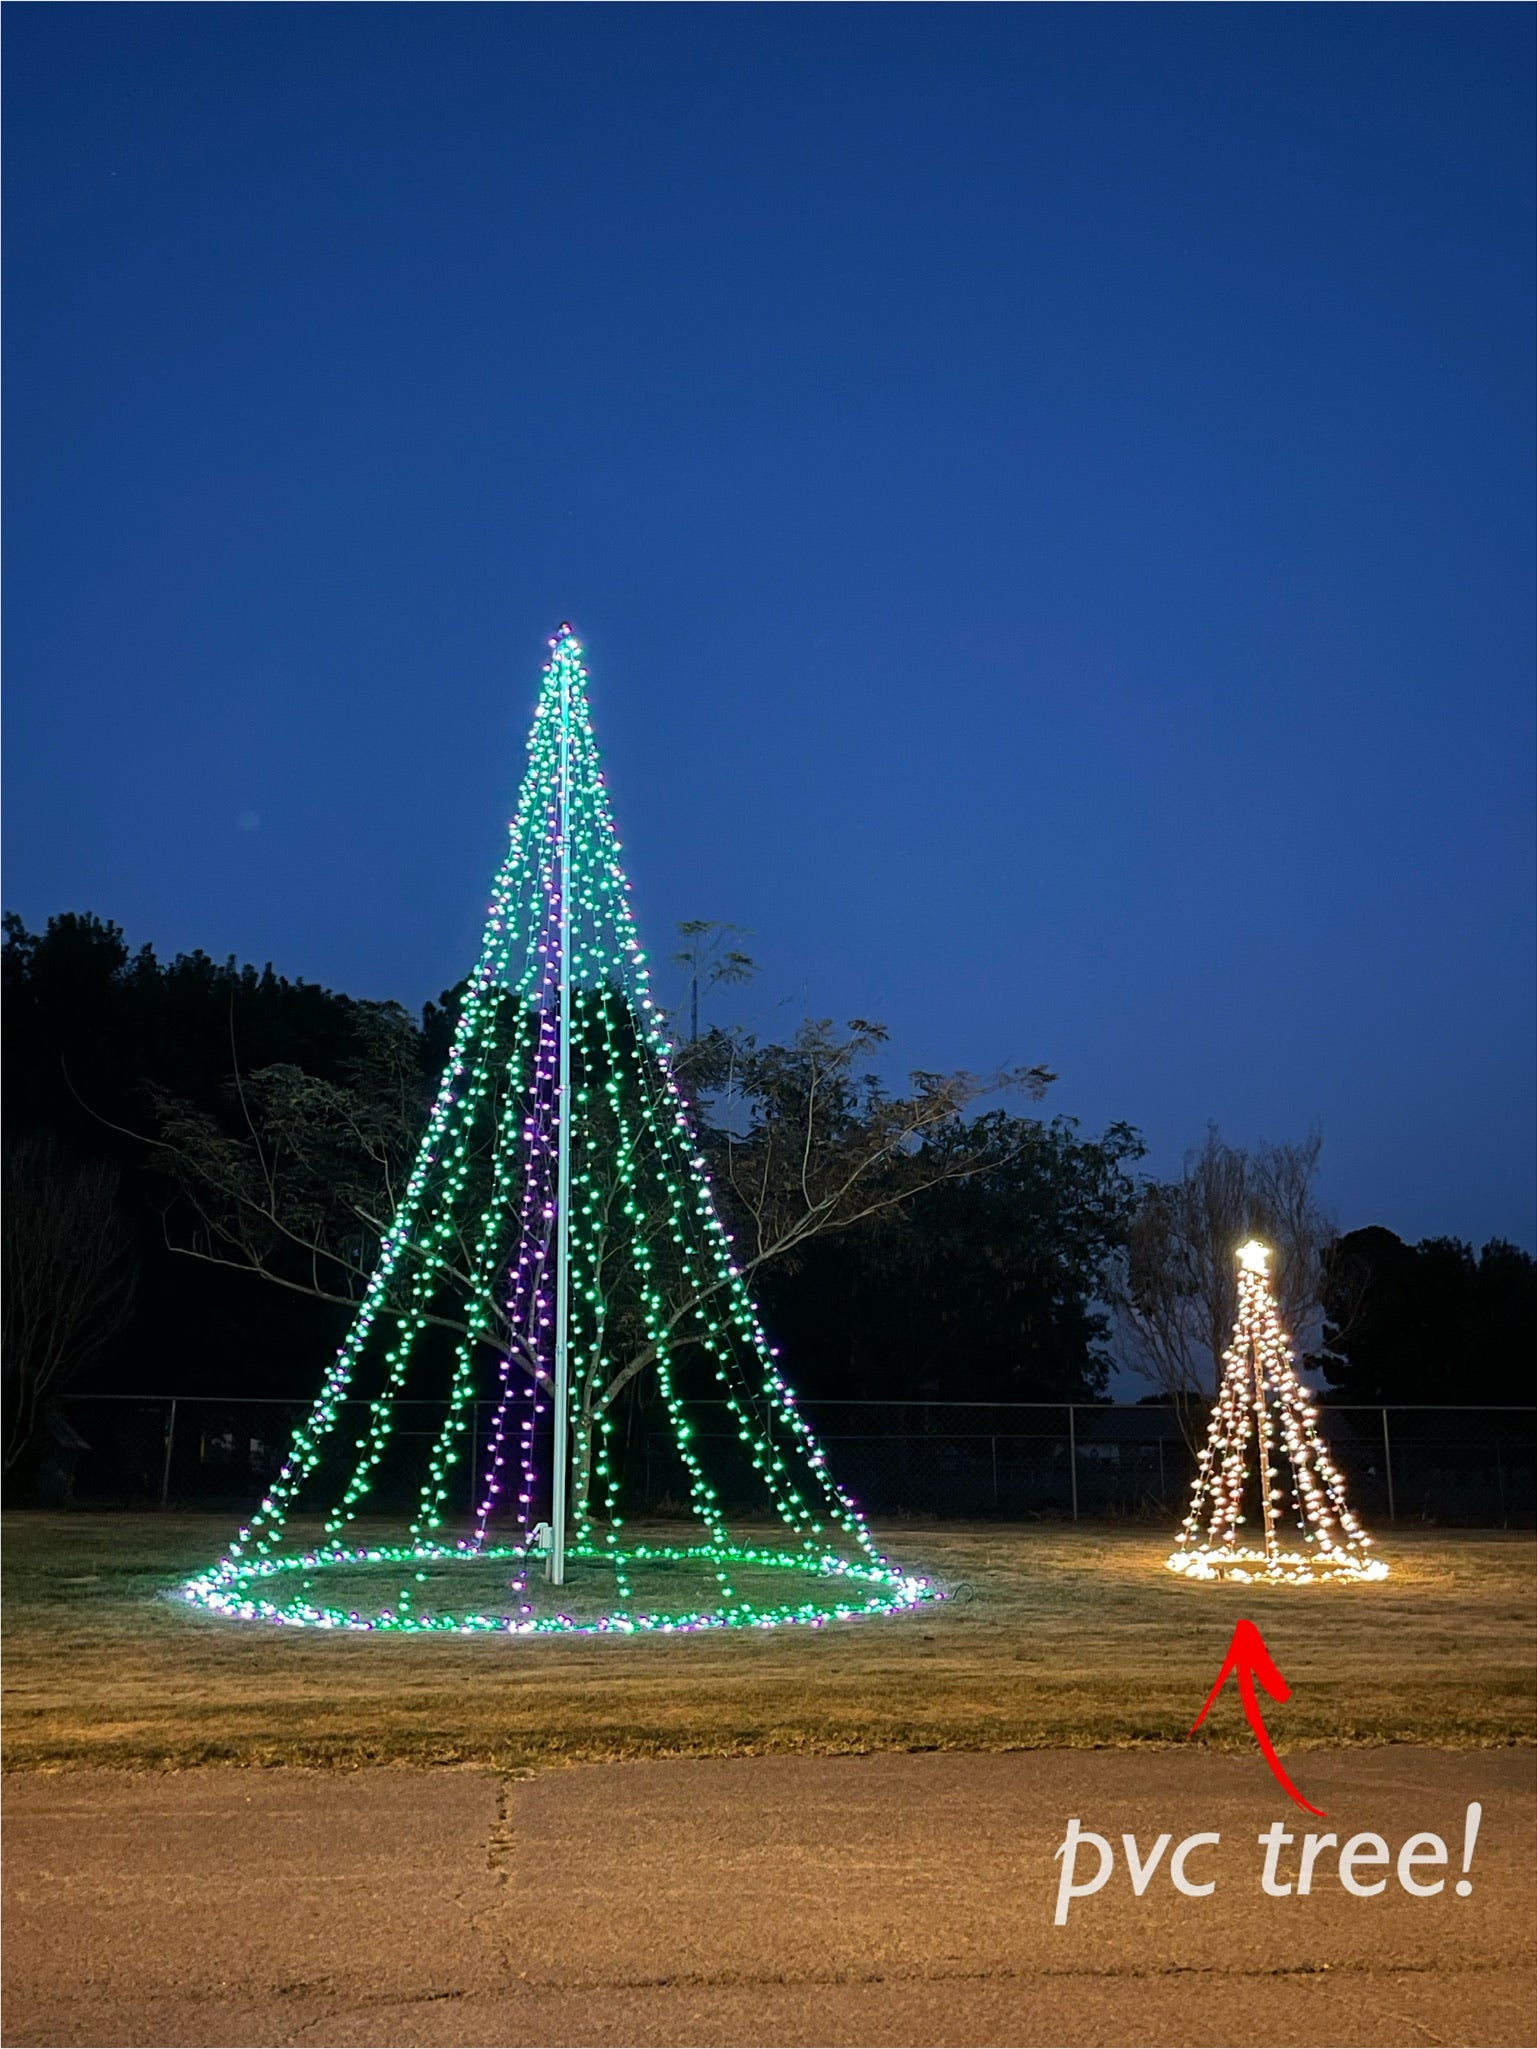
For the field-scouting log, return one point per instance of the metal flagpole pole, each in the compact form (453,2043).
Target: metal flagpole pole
(561,1459)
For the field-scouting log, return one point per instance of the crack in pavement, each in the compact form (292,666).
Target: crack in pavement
(927,1974)
(487,1923)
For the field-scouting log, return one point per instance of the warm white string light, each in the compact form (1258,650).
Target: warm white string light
(1261,1394)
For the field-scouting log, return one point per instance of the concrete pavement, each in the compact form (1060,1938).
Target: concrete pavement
(884,1899)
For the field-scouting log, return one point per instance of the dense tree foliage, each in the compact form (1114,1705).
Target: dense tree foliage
(979,1289)
(1430,1322)
(956,1253)
(902,1243)
(91,1030)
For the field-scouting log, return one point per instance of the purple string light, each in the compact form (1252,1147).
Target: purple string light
(528,1303)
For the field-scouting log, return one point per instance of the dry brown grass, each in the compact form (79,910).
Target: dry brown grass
(1073,1636)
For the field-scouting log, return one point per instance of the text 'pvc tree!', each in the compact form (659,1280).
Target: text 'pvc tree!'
(555,1268)
(1268,1502)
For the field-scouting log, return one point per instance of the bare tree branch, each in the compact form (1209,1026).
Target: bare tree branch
(299,1190)
(68,1277)
(1176,1292)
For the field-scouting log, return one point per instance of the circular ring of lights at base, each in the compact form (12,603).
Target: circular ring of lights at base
(258,1590)
(1295,1568)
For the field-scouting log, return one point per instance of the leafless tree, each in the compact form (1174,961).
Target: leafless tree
(1177,1292)
(707,958)
(298,1182)
(824,1148)
(825,1145)
(68,1277)
(299,1185)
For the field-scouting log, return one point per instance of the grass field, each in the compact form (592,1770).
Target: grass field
(1057,1635)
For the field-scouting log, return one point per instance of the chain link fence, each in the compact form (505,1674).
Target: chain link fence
(1471,1466)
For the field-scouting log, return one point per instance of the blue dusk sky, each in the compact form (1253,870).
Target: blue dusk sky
(1046,492)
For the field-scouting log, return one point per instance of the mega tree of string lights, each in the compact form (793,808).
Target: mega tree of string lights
(557,1193)
(1303,1531)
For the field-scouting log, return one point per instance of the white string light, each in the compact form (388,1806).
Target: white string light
(1307,1531)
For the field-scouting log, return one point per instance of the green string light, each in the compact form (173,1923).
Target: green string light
(646,1247)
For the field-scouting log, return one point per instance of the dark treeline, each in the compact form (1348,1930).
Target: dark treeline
(982,1288)
(90,1031)
(988,1286)
(1428,1323)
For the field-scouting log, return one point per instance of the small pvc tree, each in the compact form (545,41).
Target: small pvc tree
(1268,1501)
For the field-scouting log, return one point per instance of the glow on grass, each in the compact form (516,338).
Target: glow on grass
(253,1592)
(1306,1531)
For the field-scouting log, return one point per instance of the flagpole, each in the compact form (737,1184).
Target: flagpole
(561,1460)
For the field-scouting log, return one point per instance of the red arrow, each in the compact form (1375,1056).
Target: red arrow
(1248,1657)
